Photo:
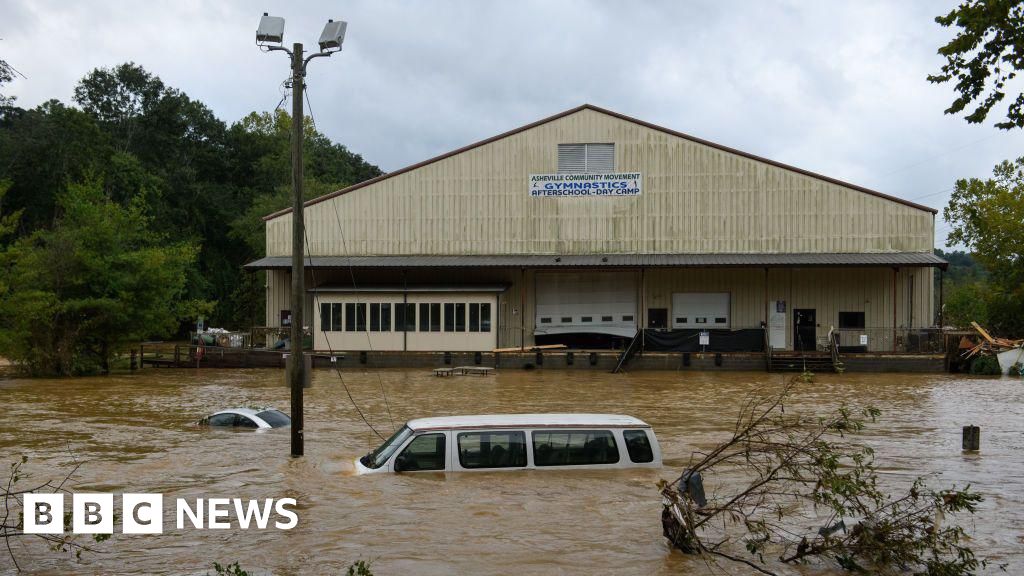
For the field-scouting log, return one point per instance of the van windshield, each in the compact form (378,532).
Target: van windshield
(378,457)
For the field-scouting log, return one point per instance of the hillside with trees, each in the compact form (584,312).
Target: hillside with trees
(137,196)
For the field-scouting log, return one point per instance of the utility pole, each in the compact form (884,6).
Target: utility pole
(271,31)
(298,375)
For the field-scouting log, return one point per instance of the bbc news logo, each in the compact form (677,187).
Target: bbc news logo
(144,513)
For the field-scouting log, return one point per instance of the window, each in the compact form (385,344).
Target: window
(851,320)
(606,319)
(275,418)
(474,317)
(574,447)
(380,317)
(325,317)
(701,320)
(460,317)
(449,317)
(566,319)
(492,449)
(638,446)
(405,317)
(331,318)
(545,320)
(485,317)
(336,317)
(425,452)
(681,320)
(719,320)
(221,420)
(587,319)
(435,317)
(586,158)
(424,317)
(355,317)
(350,317)
(244,422)
(627,318)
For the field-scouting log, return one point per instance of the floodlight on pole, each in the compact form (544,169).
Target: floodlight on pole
(270,32)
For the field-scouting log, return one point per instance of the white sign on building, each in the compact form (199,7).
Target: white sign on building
(585,185)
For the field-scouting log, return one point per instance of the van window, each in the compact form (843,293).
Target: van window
(425,452)
(492,449)
(574,447)
(638,446)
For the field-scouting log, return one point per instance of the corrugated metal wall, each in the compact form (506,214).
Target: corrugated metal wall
(696,199)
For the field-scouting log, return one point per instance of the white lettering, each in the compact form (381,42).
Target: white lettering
(217,508)
(253,510)
(196,517)
(44,513)
(279,507)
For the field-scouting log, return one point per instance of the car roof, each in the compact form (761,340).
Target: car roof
(526,421)
(242,411)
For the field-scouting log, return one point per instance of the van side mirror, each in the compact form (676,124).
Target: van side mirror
(401,463)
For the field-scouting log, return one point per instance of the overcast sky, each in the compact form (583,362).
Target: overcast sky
(833,87)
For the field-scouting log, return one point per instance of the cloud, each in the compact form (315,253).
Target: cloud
(837,88)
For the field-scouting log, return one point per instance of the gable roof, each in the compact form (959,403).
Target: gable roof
(669,131)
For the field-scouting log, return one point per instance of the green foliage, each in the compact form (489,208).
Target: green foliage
(987,53)
(986,366)
(229,570)
(78,293)
(988,217)
(966,303)
(199,182)
(6,75)
(359,568)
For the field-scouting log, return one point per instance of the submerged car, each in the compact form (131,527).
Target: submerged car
(248,418)
(516,442)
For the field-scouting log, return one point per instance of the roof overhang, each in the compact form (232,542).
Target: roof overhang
(810,260)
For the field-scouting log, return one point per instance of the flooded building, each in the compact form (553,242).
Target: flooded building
(587,227)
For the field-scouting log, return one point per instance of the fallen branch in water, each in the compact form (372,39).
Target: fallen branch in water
(12,520)
(806,492)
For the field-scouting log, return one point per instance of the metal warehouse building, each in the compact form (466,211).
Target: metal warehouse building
(585,227)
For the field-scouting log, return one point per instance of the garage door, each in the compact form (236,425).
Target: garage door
(586,302)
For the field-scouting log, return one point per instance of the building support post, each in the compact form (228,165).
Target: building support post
(942,278)
(895,271)
(298,375)
(405,310)
(522,310)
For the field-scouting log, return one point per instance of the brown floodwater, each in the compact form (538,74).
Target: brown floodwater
(135,433)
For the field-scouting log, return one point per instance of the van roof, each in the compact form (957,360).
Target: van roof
(526,421)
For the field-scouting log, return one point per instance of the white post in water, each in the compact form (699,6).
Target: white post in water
(271,31)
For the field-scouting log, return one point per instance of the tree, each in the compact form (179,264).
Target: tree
(796,488)
(76,294)
(988,217)
(986,54)
(6,75)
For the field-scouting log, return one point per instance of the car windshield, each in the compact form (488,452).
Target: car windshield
(275,418)
(378,457)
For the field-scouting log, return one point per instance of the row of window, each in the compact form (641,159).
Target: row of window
(507,449)
(585,319)
(701,320)
(378,316)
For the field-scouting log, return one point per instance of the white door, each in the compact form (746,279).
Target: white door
(595,302)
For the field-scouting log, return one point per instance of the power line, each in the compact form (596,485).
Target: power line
(939,155)
(352,275)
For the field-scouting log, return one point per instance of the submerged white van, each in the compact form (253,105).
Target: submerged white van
(516,442)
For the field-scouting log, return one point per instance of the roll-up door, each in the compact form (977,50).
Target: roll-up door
(700,310)
(586,302)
